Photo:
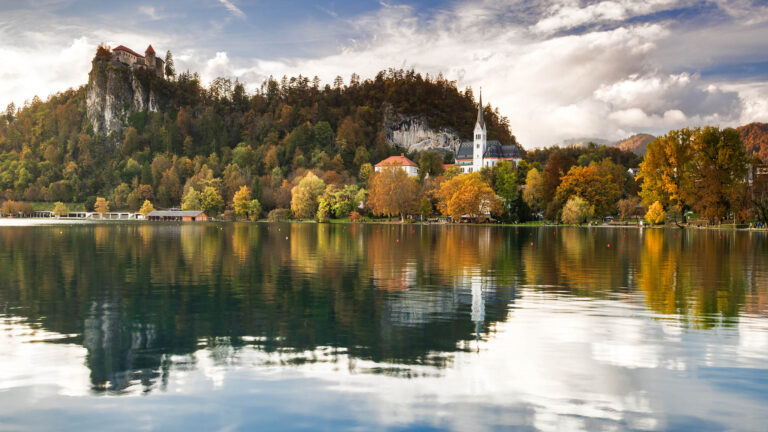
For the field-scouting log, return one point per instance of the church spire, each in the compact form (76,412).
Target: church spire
(480,119)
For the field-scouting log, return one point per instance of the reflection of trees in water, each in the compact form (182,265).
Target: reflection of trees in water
(139,294)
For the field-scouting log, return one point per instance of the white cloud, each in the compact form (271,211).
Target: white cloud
(232,8)
(606,82)
(150,12)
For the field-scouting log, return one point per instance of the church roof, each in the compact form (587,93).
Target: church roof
(480,118)
(494,149)
(465,150)
(397,161)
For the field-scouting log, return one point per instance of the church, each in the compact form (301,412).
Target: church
(479,152)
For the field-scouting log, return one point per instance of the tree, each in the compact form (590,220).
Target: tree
(211,201)
(192,200)
(719,170)
(506,185)
(241,202)
(146,208)
(468,195)
(305,194)
(533,195)
(577,211)
(170,70)
(60,209)
(254,209)
(595,185)
(667,170)
(101,206)
(425,207)
(430,163)
(366,170)
(393,192)
(656,213)
(627,207)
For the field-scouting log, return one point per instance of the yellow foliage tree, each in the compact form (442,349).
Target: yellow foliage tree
(60,209)
(469,195)
(146,208)
(101,206)
(241,202)
(577,211)
(656,213)
(305,194)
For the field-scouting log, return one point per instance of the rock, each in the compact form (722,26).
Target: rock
(113,92)
(414,134)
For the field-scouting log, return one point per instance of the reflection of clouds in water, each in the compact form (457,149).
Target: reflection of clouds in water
(556,363)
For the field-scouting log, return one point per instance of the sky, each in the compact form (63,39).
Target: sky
(558,69)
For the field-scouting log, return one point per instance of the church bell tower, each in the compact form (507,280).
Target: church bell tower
(480,138)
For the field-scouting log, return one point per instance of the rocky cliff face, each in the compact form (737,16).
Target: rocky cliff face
(414,134)
(113,92)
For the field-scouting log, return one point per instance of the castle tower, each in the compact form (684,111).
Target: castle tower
(149,58)
(480,138)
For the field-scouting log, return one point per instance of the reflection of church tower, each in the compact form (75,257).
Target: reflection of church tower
(478,304)
(480,138)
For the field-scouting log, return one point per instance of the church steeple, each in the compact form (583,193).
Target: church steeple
(480,119)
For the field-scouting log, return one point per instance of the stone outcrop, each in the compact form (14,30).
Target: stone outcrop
(414,134)
(114,91)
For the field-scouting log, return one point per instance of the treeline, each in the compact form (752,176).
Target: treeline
(222,137)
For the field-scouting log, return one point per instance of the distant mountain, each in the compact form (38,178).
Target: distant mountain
(583,142)
(637,144)
(755,139)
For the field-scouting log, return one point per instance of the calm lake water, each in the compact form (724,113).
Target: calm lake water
(121,326)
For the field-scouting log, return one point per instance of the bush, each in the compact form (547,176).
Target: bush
(354,216)
(278,215)
(577,211)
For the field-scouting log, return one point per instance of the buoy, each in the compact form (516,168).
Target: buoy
(531,243)
(609,245)
(286,237)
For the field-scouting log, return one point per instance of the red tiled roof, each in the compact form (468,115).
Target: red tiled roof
(397,160)
(149,49)
(128,50)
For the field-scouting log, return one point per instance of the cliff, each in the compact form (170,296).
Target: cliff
(755,139)
(637,144)
(113,92)
(414,134)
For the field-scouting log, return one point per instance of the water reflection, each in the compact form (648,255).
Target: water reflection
(552,328)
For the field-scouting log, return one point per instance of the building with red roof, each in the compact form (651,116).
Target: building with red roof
(401,161)
(135,60)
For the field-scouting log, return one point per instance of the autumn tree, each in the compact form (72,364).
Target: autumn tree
(468,195)
(101,206)
(667,170)
(627,207)
(533,195)
(655,214)
(192,200)
(241,202)
(60,209)
(211,201)
(393,192)
(305,194)
(146,208)
(577,211)
(597,183)
(170,70)
(719,172)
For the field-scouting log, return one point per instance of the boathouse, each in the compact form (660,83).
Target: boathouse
(178,216)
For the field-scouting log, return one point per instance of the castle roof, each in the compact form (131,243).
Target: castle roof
(128,50)
(149,49)
(397,161)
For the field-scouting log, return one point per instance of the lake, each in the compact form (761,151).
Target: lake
(237,326)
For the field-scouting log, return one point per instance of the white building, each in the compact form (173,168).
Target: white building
(401,161)
(478,153)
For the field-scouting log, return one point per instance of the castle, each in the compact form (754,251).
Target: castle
(478,153)
(135,60)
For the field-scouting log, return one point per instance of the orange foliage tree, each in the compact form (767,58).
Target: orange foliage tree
(392,192)
(599,184)
(469,195)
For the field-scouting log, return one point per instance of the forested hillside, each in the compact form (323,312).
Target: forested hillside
(755,139)
(219,135)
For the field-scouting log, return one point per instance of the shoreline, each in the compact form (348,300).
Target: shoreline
(9,221)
